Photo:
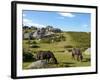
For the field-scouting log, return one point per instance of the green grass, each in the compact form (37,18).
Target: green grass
(80,39)
(25,64)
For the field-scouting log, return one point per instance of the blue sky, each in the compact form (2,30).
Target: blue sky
(66,21)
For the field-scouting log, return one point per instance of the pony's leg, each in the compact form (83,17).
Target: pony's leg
(81,57)
(73,56)
(77,57)
(48,60)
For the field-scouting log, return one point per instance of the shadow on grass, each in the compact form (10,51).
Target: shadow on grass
(68,63)
(86,60)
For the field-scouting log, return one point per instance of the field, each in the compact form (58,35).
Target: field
(61,49)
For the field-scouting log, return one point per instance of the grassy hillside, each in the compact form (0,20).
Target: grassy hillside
(80,39)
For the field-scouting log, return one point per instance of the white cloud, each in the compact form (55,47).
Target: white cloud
(67,15)
(28,22)
(24,15)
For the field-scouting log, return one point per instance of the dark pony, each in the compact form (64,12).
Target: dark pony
(40,55)
(77,52)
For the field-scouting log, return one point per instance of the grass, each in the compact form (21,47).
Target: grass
(64,58)
(80,38)
(25,64)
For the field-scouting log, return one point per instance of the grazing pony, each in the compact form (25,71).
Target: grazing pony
(77,52)
(40,55)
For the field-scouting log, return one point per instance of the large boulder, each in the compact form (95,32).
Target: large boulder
(38,64)
(87,51)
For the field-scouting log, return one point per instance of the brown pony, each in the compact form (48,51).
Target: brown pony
(40,55)
(77,52)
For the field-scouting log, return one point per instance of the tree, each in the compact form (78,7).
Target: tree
(49,26)
(57,30)
(25,27)
(33,27)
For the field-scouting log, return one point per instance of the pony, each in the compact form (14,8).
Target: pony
(47,55)
(76,52)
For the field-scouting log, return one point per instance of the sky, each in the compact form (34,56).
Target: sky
(66,21)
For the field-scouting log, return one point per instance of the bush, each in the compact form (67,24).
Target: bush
(69,50)
(27,57)
(34,42)
(68,46)
(32,38)
(25,38)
